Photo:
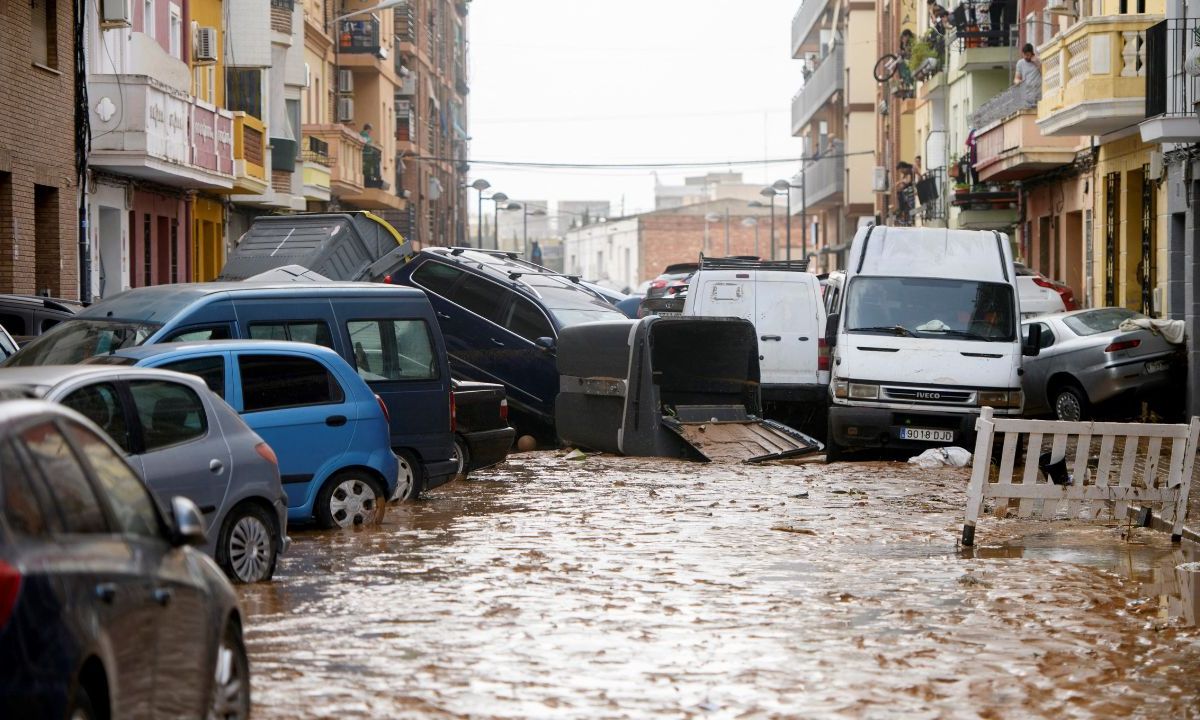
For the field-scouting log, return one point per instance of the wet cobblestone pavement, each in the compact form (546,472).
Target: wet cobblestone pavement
(620,587)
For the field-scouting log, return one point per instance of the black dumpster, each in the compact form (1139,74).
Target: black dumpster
(668,387)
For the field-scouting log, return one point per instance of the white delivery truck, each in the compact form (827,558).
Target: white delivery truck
(783,301)
(924,325)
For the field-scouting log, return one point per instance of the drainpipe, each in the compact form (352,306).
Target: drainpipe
(83,138)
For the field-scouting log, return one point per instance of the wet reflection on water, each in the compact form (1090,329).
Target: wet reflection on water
(617,587)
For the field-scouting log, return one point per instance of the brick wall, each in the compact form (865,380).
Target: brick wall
(668,239)
(37,147)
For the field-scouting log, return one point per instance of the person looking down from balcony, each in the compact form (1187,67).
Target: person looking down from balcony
(1029,75)
(366,133)
(937,16)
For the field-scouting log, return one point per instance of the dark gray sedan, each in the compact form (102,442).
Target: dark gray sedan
(1086,360)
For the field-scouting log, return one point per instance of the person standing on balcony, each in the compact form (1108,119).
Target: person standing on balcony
(366,133)
(1029,75)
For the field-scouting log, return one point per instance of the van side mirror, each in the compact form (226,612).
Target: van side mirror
(545,344)
(831,329)
(1033,344)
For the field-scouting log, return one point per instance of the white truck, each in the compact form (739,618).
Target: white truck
(924,325)
(783,301)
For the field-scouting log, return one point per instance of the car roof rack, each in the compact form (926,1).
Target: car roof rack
(743,263)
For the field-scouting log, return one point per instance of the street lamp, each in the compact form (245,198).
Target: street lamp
(480,185)
(709,218)
(785,187)
(753,222)
(385,5)
(498,199)
(769,192)
(526,212)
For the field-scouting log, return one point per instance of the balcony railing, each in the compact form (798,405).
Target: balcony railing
(981,23)
(359,36)
(372,165)
(345,156)
(931,191)
(315,150)
(804,21)
(824,178)
(1170,90)
(406,23)
(1008,103)
(820,86)
(288,5)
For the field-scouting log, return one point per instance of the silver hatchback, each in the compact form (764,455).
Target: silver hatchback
(185,441)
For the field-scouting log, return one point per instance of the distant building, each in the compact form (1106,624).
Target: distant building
(705,188)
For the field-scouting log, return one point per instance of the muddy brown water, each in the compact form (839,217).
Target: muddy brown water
(620,587)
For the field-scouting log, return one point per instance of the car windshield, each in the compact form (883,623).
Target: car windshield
(1091,322)
(76,340)
(931,308)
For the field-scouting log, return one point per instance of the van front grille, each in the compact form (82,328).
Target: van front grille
(929,395)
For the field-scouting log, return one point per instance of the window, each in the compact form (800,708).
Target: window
(528,322)
(148,17)
(78,505)
(393,349)
(18,504)
(77,340)
(170,413)
(131,503)
(45,32)
(14,324)
(243,90)
(309,331)
(101,404)
(270,382)
(482,297)
(176,37)
(196,334)
(437,278)
(1099,320)
(1047,337)
(210,369)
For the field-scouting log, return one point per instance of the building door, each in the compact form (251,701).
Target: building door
(112,245)
(1147,264)
(1112,205)
(1043,241)
(1073,273)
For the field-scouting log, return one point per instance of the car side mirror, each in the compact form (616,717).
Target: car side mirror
(1033,344)
(831,329)
(545,344)
(189,523)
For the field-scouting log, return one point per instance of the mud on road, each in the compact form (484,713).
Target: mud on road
(621,587)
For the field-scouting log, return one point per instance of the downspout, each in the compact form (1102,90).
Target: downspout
(83,142)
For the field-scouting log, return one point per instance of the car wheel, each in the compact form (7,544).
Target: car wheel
(248,546)
(349,499)
(463,456)
(231,677)
(1070,403)
(81,705)
(408,487)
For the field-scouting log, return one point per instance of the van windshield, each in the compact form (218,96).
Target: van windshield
(76,340)
(931,308)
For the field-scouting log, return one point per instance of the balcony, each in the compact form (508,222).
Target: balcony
(985,207)
(317,169)
(146,129)
(282,12)
(820,86)
(824,179)
(359,37)
(344,154)
(809,17)
(1014,149)
(978,44)
(1172,97)
(249,155)
(930,191)
(1093,76)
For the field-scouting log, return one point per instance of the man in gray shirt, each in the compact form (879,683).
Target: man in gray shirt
(1029,75)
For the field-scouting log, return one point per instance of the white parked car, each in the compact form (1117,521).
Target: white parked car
(1040,295)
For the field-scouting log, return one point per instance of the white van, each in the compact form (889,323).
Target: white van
(924,325)
(784,303)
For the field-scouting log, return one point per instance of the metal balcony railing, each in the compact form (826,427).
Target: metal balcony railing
(825,176)
(1008,103)
(315,150)
(979,23)
(804,20)
(931,189)
(1170,90)
(359,36)
(288,5)
(820,86)
(406,23)
(372,163)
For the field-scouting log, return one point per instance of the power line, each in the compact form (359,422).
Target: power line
(634,166)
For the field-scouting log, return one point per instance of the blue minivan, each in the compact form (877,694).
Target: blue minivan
(388,334)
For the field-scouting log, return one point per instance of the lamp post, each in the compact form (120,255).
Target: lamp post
(525,212)
(769,192)
(480,185)
(498,199)
(785,186)
(753,222)
(709,218)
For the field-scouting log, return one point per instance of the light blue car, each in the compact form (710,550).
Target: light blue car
(327,428)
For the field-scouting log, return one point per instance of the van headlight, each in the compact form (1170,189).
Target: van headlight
(1001,398)
(862,391)
(841,389)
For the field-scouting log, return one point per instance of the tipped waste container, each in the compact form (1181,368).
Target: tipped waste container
(669,387)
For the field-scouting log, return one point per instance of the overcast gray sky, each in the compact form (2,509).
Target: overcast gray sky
(628,81)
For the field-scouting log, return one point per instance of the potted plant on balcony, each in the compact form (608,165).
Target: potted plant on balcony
(923,60)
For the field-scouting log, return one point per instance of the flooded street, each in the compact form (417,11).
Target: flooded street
(621,587)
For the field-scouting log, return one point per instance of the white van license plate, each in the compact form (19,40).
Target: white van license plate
(926,434)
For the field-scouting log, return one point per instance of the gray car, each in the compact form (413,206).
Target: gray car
(1086,360)
(185,441)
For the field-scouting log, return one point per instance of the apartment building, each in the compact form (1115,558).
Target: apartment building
(38,186)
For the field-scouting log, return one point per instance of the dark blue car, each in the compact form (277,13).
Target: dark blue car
(501,316)
(105,610)
(387,334)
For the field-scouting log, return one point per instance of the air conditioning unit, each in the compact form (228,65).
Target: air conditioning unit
(345,110)
(206,45)
(345,81)
(879,179)
(1061,7)
(116,14)
(1156,165)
